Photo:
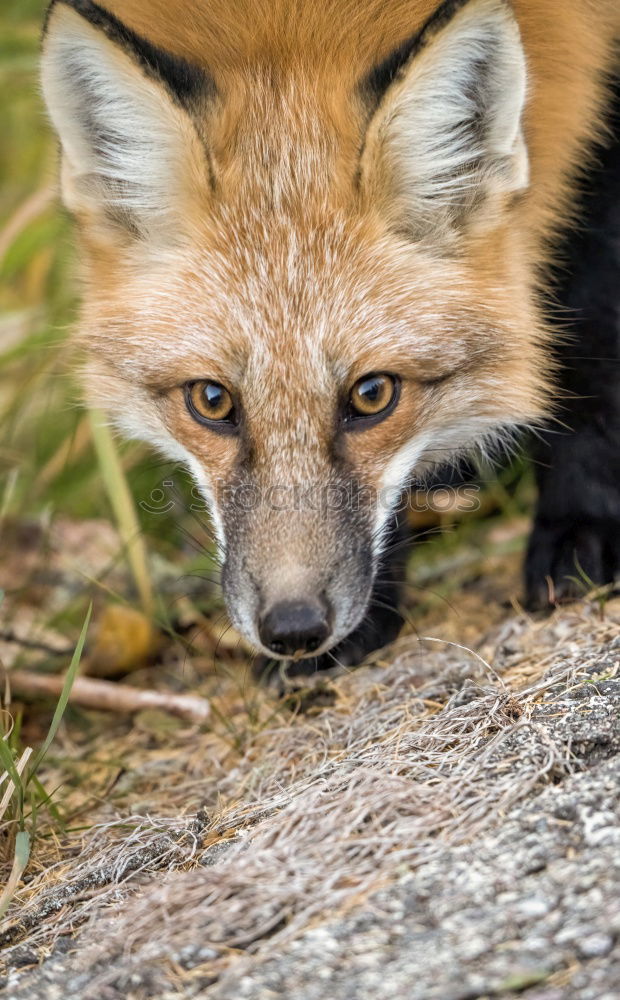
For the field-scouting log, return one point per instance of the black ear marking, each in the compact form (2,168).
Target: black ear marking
(183,81)
(375,84)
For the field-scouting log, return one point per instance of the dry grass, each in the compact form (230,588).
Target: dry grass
(425,750)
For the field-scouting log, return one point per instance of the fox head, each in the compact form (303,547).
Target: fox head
(306,276)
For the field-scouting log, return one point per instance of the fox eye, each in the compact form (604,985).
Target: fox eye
(211,403)
(373,395)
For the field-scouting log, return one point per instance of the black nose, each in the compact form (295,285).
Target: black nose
(293,627)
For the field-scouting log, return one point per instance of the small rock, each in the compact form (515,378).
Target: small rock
(533,908)
(595,945)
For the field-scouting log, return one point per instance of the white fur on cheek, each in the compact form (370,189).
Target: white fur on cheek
(431,448)
(203,483)
(393,482)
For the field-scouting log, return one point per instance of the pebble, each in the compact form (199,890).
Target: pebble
(595,946)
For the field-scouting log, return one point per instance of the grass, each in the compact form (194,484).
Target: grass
(21,785)
(388,776)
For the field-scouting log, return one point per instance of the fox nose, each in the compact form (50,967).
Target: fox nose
(291,627)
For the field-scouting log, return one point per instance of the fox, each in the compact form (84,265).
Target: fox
(328,248)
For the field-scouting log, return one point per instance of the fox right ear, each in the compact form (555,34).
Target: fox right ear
(131,156)
(444,150)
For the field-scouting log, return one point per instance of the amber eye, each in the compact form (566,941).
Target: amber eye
(373,396)
(210,403)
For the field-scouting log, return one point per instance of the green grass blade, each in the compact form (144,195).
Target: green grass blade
(20,860)
(15,788)
(34,814)
(45,799)
(15,736)
(7,761)
(64,695)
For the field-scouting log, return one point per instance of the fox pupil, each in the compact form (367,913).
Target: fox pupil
(214,395)
(370,390)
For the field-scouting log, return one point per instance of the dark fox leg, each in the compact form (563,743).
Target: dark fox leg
(577,524)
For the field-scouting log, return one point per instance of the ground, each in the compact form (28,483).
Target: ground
(442,822)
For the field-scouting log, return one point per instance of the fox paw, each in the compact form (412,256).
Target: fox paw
(565,561)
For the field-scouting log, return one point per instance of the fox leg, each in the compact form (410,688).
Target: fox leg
(577,524)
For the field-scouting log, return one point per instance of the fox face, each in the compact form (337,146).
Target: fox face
(307,283)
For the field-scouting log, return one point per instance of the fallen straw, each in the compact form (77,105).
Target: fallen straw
(110,697)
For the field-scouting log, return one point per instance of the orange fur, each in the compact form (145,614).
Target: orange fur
(325,47)
(288,283)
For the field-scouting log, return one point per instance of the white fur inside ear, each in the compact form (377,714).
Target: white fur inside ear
(448,134)
(125,143)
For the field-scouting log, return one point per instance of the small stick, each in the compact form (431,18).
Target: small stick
(110,697)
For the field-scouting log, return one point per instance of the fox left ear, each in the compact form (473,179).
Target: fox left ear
(444,150)
(131,156)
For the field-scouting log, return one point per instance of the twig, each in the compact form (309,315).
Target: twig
(110,697)
(466,649)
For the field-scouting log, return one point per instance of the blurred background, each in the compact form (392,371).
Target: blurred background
(48,460)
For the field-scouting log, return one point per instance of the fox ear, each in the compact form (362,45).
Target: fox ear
(130,152)
(444,149)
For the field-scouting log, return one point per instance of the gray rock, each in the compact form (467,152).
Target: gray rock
(529,909)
